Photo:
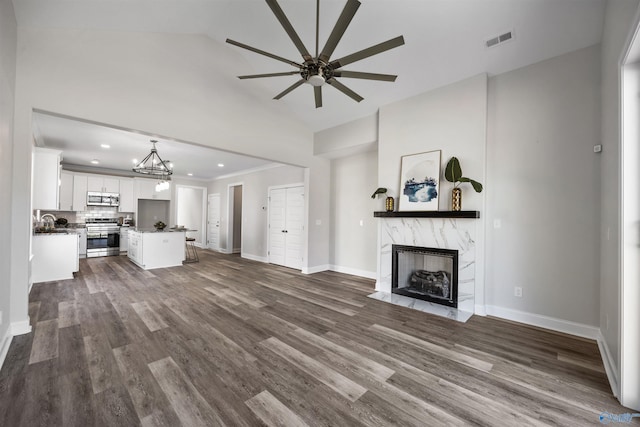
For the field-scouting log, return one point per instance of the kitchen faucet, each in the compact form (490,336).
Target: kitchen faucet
(53,217)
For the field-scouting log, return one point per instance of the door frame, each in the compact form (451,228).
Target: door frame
(230,200)
(209,225)
(279,187)
(205,213)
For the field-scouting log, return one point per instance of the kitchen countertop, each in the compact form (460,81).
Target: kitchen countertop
(55,231)
(153,230)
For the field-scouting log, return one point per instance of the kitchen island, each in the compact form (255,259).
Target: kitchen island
(149,248)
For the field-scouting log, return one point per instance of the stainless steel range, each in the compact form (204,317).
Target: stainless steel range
(103,237)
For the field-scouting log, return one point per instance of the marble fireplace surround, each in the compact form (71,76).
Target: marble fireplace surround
(438,229)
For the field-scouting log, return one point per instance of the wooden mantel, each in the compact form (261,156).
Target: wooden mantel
(427,214)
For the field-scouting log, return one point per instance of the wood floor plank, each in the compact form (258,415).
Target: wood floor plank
(444,352)
(148,316)
(146,395)
(67,314)
(45,341)
(322,373)
(192,409)
(273,412)
(101,363)
(78,403)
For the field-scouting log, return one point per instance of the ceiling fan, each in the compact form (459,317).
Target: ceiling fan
(319,69)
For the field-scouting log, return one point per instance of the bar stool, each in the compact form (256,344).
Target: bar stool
(190,248)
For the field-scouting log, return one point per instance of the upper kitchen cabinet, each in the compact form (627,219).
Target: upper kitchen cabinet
(80,189)
(103,184)
(46,178)
(146,189)
(66,191)
(127,198)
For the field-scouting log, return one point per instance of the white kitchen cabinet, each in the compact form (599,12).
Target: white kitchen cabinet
(127,199)
(124,239)
(103,184)
(46,178)
(80,189)
(55,257)
(66,191)
(146,189)
(156,249)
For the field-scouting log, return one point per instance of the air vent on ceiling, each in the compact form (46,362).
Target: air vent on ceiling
(497,40)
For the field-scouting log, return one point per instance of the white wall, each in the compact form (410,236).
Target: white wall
(543,184)
(254,206)
(354,230)
(189,210)
(8,39)
(618,18)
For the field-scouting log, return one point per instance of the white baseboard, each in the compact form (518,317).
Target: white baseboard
(5,342)
(20,328)
(316,269)
(353,271)
(609,365)
(546,322)
(480,310)
(254,257)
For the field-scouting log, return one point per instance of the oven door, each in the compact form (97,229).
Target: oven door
(103,242)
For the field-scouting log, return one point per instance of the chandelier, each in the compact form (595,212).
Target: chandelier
(154,165)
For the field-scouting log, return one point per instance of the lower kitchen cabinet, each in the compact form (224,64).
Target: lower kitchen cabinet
(156,249)
(55,257)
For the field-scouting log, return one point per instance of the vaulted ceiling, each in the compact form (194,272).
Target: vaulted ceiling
(444,40)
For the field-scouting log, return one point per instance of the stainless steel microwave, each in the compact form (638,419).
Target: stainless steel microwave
(102,199)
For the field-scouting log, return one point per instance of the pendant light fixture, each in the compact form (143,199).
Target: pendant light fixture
(154,165)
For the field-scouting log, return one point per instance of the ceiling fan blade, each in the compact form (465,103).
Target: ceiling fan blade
(342,88)
(262,52)
(367,76)
(365,53)
(338,31)
(317,92)
(257,76)
(289,89)
(284,21)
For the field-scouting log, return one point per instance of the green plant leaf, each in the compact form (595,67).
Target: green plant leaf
(380,190)
(476,185)
(453,171)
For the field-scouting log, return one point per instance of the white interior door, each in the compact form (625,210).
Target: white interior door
(213,222)
(286,224)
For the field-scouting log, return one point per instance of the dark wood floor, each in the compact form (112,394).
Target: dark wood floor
(233,342)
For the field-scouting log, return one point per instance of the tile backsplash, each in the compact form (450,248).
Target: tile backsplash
(80,217)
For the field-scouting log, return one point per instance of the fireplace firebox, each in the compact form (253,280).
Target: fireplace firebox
(430,274)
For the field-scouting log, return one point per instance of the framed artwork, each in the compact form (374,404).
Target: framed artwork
(420,181)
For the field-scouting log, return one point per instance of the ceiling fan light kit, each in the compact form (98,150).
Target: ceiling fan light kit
(319,69)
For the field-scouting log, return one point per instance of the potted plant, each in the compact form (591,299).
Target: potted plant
(389,201)
(453,173)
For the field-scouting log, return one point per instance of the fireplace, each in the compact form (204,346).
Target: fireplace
(430,274)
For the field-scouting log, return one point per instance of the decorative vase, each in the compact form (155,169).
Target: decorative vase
(389,204)
(456,199)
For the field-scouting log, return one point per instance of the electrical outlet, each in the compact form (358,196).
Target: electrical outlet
(517,292)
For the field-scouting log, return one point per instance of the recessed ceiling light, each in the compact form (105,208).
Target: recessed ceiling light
(171,165)
(95,162)
(135,161)
(105,146)
(190,174)
(220,165)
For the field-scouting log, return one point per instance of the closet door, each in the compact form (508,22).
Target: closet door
(286,225)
